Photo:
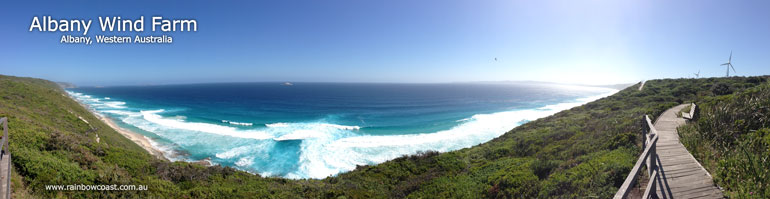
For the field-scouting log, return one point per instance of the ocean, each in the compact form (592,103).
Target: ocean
(314,130)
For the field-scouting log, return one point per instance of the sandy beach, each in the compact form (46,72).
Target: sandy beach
(133,136)
(137,138)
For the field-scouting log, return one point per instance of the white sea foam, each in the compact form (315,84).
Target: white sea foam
(245,161)
(153,117)
(234,152)
(238,123)
(463,120)
(324,157)
(276,125)
(325,125)
(168,151)
(98,103)
(115,104)
(343,127)
(306,130)
(242,123)
(298,135)
(124,113)
(302,131)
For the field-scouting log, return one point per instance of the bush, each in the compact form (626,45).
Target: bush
(721,89)
(732,141)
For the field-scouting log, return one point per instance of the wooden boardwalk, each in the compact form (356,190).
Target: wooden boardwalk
(681,176)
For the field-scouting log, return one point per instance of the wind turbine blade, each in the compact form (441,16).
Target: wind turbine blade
(724,64)
(731,66)
(731,57)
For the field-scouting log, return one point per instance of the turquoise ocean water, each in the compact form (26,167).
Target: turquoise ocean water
(313,130)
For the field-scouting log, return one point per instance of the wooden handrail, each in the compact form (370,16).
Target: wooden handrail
(4,150)
(4,141)
(650,126)
(648,156)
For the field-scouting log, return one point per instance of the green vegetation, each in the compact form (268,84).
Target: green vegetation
(586,151)
(732,140)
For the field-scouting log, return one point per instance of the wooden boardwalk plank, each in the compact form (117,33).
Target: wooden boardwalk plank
(681,175)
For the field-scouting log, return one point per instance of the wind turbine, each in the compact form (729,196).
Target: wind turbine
(729,65)
(697,75)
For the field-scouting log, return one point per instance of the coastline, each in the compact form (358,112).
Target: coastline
(480,128)
(137,138)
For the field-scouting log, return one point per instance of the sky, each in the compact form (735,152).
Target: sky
(412,41)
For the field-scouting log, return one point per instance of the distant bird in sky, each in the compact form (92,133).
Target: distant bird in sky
(728,64)
(697,75)
(495,58)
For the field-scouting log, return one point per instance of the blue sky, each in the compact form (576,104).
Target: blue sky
(588,42)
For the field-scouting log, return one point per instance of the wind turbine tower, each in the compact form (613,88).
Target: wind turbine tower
(729,65)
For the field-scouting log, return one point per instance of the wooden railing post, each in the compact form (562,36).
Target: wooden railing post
(645,131)
(651,157)
(651,187)
(652,165)
(647,136)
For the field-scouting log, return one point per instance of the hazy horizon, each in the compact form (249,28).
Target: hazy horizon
(361,82)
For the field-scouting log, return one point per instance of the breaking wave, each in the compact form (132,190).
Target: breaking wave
(314,149)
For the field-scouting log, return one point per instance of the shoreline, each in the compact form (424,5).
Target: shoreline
(529,114)
(137,138)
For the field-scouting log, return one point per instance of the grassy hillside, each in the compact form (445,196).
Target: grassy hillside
(731,138)
(51,145)
(583,152)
